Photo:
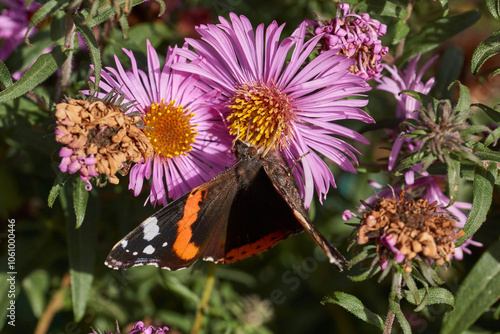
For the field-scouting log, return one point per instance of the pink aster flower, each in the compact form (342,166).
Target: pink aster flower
(408,78)
(356,36)
(189,138)
(289,105)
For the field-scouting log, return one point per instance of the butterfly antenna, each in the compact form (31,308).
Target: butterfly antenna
(298,160)
(272,145)
(248,130)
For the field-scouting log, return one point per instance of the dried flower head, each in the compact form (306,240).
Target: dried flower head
(98,138)
(357,37)
(405,230)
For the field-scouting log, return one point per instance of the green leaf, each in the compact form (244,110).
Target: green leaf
(43,67)
(386,8)
(424,99)
(401,31)
(36,287)
(44,12)
(56,188)
(435,33)
(5,77)
(494,8)
(80,197)
(125,27)
(479,290)
(450,67)
(81,252)
(488,48)
(493,113)
(91,41)
(435,295)
(356,307)
(463,103)
(492,137)
(484,181)
(453,179)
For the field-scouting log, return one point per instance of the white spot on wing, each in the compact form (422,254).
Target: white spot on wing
(164,244)
(124,243)
(149,250)
(135,253)
(151,228)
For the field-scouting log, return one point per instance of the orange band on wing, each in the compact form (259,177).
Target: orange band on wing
(183,246)
(263,244)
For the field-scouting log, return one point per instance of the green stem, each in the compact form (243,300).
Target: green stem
(401,45)
(200,310)
(394,297)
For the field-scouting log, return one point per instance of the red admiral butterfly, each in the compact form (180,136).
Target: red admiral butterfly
(239,213)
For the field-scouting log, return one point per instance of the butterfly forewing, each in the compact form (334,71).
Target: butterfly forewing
(178,235)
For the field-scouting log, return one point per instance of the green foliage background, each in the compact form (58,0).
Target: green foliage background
(290,280)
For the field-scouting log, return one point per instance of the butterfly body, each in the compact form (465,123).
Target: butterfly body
(239,213)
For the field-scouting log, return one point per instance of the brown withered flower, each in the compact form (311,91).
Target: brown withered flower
(406,229)
(98,138)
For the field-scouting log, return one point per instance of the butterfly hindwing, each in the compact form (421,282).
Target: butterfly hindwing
(259,218)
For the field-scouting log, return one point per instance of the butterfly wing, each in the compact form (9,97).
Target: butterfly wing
(283,184)
(179,234)
(258,219)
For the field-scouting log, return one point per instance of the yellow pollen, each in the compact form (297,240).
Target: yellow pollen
(261,115)
(169,129)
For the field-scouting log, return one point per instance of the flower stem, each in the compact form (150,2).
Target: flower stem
(204,299)
(401,45)
(394,299)
(69,42)
(55,304)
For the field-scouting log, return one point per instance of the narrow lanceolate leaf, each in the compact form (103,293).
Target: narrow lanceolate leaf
(494,7)
(435,33)
(80,197)
(356,307)
(493,113)
(43,67)
(57,187)
(81,252)
(488,48)
(44,12)
(479,290)
(432,295)
(484,180)
(91,41)
(5,77)
(453,178)
(463,103)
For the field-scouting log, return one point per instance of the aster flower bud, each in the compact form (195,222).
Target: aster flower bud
(98,138)
(357,37)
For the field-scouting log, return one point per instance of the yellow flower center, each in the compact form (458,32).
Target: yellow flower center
(169,129)
(261,115)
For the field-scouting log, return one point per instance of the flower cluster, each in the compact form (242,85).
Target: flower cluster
(98,138)
(356,36)
(139,328)
(405,230)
